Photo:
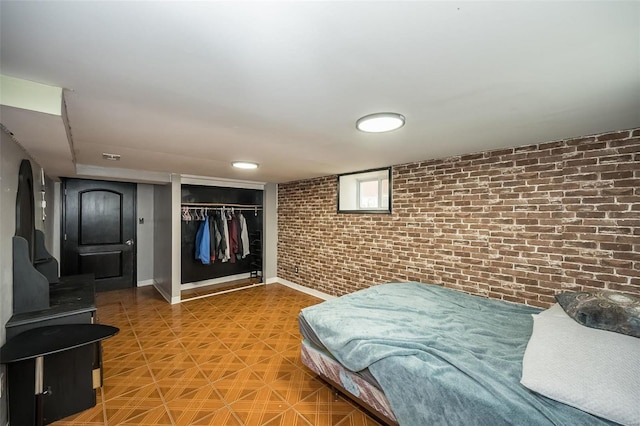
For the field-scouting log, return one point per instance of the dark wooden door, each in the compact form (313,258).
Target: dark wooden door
(99,231)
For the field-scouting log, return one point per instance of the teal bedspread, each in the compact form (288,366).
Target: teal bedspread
(440,356)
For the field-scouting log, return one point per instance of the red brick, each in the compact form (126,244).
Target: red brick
(613,136)
(516,224)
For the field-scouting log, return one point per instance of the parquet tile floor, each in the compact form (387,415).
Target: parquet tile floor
(229,359)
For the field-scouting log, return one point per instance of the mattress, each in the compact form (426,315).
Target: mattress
(439,356)
(321,362)
(308,333)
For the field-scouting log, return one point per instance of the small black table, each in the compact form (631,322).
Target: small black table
(39,342)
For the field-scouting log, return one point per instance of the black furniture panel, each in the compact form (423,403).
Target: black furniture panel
(40,299)
(44,262)
(67,393)
(71,301)
(30,287)
(36,357)
(69,375)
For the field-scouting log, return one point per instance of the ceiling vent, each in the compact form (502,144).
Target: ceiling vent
(111,157)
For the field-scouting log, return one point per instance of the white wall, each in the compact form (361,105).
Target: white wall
(144,234)
(162,239)
(11,155)
(176,236)
(270,241)
(51,223)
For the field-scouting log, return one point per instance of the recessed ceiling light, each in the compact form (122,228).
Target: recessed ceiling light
(244,165)
(380,122)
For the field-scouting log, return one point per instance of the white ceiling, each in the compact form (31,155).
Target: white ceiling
(189,87)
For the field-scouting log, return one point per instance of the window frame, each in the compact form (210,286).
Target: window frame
(346,179)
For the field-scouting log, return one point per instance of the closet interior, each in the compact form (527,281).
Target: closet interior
(221,239)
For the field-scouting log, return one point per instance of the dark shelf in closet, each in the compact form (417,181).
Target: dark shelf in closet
(255,243)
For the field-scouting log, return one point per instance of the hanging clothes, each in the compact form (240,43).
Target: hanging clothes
(232,224)
(239,253)
(225,232)
(218,235)
(244,236)
(202,243)
(212,239)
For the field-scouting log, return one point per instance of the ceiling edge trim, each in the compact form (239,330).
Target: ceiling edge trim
(213,181)
(129,175)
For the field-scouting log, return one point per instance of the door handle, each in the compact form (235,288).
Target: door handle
(129,242)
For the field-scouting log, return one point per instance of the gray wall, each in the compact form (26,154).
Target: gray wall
(162,241)
(11,155)
(145,233)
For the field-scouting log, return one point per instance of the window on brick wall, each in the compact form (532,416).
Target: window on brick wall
(365,192)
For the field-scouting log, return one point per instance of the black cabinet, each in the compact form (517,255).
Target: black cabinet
(50,348)
(68,376)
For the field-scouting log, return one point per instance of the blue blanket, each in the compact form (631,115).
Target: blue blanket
(441,356)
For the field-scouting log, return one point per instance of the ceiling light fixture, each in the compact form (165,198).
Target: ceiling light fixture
(244,165)
(380,122)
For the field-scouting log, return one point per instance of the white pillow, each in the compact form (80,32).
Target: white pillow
(594,370)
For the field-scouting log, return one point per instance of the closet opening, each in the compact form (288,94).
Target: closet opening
(221,240)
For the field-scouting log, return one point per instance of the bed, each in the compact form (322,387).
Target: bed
(420,354)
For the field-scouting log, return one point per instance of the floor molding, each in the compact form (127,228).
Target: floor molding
(165,295)
(145,283)
(221,280)
(303,289)
(215,293)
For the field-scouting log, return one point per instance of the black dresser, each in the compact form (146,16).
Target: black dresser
(70,377)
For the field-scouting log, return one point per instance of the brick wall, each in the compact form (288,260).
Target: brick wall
(518,224)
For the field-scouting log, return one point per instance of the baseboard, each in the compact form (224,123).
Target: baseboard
(144,283)
(221,280)
(167,297)
(303,289)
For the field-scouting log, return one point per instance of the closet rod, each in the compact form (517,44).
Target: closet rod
(248,206)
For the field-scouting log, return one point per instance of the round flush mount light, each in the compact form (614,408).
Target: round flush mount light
(244,165)
(380,122)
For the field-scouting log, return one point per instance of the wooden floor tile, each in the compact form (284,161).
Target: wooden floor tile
(288,418)
(157,416)
(195,406)
(296,385)
(173,368)
(115,386)
(151,338)
(254,353)
(236,338)
(132,404)
(222,417)
(259,407)
(230,359)
(164,351)
(123,364)
(224,366)
(238,385)
(324,408)
(283,342)
(358,418)
(273,368)
(183,382)
(94,416)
